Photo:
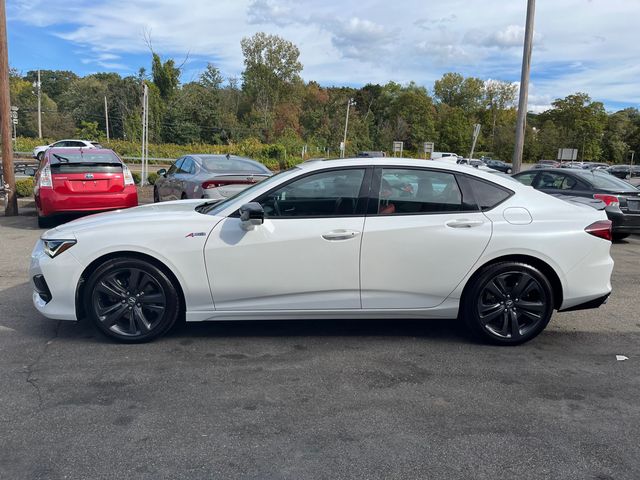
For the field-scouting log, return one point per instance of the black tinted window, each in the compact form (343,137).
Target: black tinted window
(526,178)
(406,191)
(487,194)
(333,193)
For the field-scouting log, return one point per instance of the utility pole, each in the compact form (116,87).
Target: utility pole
(39,106)
(10,198)
(145,134)
(106,117)
(350,103)
(524,87)
(476,132)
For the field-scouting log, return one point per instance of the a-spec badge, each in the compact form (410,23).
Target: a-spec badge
(88,175)
(196,234)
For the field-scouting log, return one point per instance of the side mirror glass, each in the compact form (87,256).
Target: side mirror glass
(251,215)
(162,172)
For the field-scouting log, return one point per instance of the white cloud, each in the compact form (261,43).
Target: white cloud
(588,45)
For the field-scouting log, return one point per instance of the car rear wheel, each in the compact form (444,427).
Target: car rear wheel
(44,222)
(508,303)
(509,170)
(619,236)
(131,300)
(183,196)
(156,195)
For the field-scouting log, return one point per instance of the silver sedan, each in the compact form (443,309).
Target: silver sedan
(207,176)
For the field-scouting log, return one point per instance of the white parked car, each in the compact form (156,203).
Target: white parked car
(38,152)
(354,238)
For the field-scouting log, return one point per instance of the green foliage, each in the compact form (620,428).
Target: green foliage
(152,177)
(89,131)
(165,76)
(136,177)
(24,187)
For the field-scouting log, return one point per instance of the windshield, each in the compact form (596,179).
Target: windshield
(605,181)
(213,208)
(220,163)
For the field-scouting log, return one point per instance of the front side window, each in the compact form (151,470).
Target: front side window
(174,168)
(407,191)
(550,180)
(526,178)
(323,194)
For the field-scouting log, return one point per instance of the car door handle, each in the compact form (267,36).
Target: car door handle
(340,235)
(463,223)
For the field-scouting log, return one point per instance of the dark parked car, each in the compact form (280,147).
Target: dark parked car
(622,198)
(624,171)
(547,164)
(498,165)
(207,176)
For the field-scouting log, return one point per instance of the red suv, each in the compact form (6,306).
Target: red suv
(82,180)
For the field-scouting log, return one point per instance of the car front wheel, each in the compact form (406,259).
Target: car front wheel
(509,170)
(131,300)
(508,303)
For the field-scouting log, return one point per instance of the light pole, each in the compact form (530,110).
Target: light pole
(524,87)
(38,86)
(350,103)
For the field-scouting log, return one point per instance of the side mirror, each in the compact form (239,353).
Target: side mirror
(251,215)
(30,171)
(162,172)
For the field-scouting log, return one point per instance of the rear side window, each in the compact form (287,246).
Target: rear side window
(487,194)
(416,191)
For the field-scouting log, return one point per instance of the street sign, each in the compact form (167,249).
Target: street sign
(397,147)
(14,108)
(568,154)
(428,147)
(15,121)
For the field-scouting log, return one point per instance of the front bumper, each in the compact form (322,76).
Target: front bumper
(60,275)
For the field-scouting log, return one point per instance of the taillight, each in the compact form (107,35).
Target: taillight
(211,184)
(601,229)
(128,178)
(609,200)
(44,180)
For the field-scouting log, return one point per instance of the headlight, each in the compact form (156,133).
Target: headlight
(56,247)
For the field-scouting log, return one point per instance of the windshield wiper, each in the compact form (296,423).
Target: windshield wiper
(61,159)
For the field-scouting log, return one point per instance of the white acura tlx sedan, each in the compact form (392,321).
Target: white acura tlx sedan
(354,238)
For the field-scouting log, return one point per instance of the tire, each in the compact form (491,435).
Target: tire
(44,222)
(509,171)
(493,314)
(619,236)
(156,195)
(131,300)
(183,196)
(40,156)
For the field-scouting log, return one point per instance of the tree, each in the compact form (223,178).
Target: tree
(166,76)
(211,79)
(499,97)
(54,82)
(457,91)
(271,69)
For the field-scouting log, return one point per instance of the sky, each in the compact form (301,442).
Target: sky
(579,45)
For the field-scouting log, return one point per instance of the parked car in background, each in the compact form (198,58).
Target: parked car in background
(595,165)
(371,154)
(621,198)
(207,176)
(572,165)
(351,238)
(445,156)
(81,180)
(38,152)
(624,171)
(547,164)
(498,165)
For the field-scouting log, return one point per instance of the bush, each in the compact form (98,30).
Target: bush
(136,177)
(153,176)
(24,187)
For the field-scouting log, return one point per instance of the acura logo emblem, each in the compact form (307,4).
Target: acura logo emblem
(88,175)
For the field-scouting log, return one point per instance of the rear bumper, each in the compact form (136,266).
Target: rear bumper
(50,202)
(624,222)
(595,303)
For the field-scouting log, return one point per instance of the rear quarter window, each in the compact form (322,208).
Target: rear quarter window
(487,194)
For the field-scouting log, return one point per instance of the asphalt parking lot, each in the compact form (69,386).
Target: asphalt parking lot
(327,400)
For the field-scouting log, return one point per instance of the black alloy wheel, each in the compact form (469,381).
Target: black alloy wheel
(508,303)
(131,300)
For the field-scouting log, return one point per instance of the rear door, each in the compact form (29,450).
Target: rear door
(420,239)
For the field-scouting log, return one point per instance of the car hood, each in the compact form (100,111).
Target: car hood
(164,212)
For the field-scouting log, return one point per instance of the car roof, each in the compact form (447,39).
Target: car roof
(411,162)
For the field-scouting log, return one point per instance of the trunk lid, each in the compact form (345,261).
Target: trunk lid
(90,178)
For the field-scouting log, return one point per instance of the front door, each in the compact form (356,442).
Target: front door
(420,241)
(306,254)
